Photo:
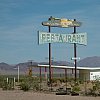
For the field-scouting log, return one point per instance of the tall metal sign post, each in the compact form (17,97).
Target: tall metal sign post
(75,55)
(50,80)
(50,38)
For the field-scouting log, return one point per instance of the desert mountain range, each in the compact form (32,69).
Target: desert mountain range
(11,69)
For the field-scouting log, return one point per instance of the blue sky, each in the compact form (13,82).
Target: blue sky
(21,19)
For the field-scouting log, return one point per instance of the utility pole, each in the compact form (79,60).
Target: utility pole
(30,68)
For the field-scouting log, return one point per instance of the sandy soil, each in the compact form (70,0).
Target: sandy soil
(20,95)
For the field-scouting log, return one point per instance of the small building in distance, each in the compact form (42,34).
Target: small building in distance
(85,73)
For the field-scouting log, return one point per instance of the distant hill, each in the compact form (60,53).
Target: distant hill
(4,66)
(90,62)
(10,69)
(59,63)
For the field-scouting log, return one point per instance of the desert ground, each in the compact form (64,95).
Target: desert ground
(30,95)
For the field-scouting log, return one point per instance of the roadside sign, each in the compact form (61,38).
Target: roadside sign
(45,37)
(77,58)
(64,23)
(94,75)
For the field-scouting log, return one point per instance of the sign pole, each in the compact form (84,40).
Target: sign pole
(40,78)
(50,60)
(75,60)
(66,78)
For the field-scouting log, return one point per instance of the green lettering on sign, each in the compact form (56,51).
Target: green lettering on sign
(60,38)
(69,38)
(74,38)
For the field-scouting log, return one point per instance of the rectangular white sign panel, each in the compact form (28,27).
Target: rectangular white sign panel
(94,75)
(79,38)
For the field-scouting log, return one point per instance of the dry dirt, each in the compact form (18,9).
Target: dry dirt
(20,95)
